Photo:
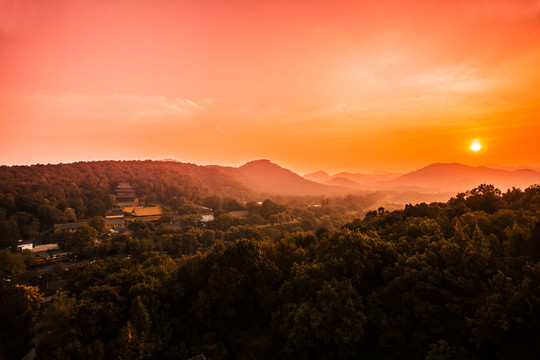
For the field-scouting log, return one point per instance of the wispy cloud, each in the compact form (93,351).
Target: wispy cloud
(456,79)
(374,91)
(113,106)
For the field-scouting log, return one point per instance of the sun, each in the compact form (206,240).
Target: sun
(475,145)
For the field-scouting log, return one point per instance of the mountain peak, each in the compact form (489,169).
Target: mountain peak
(264,168)
(264,176)
(319,173)
(318,176)
(438,164)
(260,162)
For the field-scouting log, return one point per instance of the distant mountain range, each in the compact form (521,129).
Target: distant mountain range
(265,177)
(262,179)
(436,177)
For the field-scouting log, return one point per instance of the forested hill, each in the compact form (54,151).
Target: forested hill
(33,198)
(91,183)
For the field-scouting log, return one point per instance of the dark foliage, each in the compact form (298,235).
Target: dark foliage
(437,281)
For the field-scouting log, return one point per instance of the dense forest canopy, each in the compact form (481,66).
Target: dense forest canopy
(433,281)
(449,280)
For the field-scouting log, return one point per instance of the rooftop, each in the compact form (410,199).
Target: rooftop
(144,211)
(124,185)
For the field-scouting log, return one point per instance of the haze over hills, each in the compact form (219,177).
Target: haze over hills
(437,177)
(349,179)
(510,168)
(265,177)
(342,181)
(459,177)
(435,182)
(319,176)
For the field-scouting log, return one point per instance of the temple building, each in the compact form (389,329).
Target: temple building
(126,195)
(150,213)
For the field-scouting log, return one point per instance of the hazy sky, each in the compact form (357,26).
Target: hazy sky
(333,85)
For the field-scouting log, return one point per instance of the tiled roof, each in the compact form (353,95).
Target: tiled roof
(147,211)
(124,185)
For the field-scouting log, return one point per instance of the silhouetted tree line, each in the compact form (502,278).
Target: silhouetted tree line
(454,280)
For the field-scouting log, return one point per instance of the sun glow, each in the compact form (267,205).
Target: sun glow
(216,82)
(475,145)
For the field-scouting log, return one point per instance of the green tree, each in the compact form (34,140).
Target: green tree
(82,240)
(98,223)
(11,264)
(49,215)
(328,325)
(213,202)
(485,197)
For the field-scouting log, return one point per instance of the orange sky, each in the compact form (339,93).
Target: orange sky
(341,85)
